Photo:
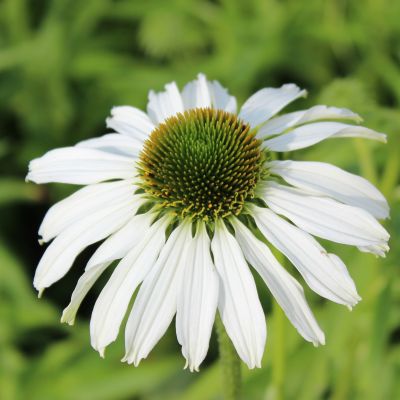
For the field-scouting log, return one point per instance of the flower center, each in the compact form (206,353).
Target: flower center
(202,163)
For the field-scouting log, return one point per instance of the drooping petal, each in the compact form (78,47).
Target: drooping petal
(130,121)
(155,305)
(113,301)
(80,166)
(341,267)
(164,104)
(286,290)
(221,99)
(317,113)
(85,201)
(114,143)
(121,242)
(61,253)
(197,301)
(326,179)
(310,134)
(267,102)
(308,256)
(85,283)
(197,94)
(325,217)
(239,305)
(115,247)
(379,250)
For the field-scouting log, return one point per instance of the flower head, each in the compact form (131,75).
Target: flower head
(191,194)
(203,163)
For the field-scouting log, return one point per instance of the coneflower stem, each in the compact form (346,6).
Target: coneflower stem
(279,348)
(366,160)
(230,364)
(279,356)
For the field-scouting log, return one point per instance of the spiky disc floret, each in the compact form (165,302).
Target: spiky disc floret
(202,163)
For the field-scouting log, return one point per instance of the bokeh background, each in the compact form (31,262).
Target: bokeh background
(64,63)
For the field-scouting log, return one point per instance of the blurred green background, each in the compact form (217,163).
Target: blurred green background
(65,63)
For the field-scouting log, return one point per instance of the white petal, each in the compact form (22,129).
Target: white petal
(239,305)
(155,305)
(197,301)
(164,104)
(113,248)
(379,250)
(221,99)
(341,267)
(130,121)
(85,283)
(79,166)
(196,94)
(265,103)
(113,301)
(308,256)
(317,113)
(84,201)
(325,217)
(307,135)
(114,143)
(61,253)
(122,241)
(286,290)
(326,179)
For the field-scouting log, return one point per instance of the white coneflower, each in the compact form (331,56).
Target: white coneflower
(187,196)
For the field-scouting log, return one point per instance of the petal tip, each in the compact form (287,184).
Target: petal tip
(171,85)
(101,351)
(356,299)
(109,122)
(68,317)
(319,339)
(29,177)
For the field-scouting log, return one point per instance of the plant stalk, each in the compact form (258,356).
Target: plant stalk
(230,364)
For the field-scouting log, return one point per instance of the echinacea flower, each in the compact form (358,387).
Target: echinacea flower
(188,197)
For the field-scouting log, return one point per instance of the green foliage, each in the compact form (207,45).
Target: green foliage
(64,63)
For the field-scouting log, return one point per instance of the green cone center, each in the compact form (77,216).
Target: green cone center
(202,163)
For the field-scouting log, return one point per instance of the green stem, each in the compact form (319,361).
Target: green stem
(366,160)
(279,357)
(230,364)
(279,349)
(391,172)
